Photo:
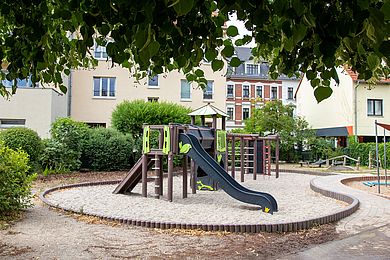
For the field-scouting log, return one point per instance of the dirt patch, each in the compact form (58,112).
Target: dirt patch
(51,234)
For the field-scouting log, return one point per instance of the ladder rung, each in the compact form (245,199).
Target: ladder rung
(157,168)
(155,159)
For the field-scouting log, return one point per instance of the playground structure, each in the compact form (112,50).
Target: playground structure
(208,153)
(385,127)
(333,163)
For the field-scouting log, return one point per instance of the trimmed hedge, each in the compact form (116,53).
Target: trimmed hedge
(25,139)
(15,183)
(362,150)
(108,149)
(128,117)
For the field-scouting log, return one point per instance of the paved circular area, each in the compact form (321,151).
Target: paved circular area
(296,201)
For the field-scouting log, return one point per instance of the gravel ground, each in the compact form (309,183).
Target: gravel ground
(295,198)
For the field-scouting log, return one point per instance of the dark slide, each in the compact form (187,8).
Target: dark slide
(227,182)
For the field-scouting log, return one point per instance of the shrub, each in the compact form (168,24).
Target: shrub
(128,117)
(69,132)
(57,157)
(108,149)
(25,139)
(15,183)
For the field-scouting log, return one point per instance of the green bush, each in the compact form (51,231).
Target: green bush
(25,139)
(108,149)
(128,117)
(57,157)
(15,183)
(69,132)
(362,150)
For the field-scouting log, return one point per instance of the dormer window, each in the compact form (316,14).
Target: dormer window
(252,69)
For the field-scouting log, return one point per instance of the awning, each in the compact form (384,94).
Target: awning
(332,131)
(208,110)
(387,127)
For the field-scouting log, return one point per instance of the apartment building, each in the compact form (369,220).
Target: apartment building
(96,92)
(249,87)
(351,110)
(33,107)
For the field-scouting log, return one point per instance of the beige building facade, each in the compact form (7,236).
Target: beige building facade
(96,92)
(352,108)
(35,108)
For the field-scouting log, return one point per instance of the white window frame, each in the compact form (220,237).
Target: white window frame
(242,89)
(292,98)
(234,89)
(253,64)
(10,122)
(262,90)
(277,92)
(373,107)
(212,91)
(158,81)
(186,99)
(234,110)
(249,111)
(108,87)
(104,50)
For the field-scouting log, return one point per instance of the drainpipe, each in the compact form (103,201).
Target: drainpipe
(68,111)
(355,109)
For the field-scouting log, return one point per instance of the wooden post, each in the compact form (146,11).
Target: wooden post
(223,123)
(233,157)
(214,125)
(269,158)
(255,159)
(227,155)
(145,175)
(170,176)
(157,180)
(277,157)
(185,183)
(161,174)
(242,153)
(264,157)
(358,163)
(192,120)
(202,120)
(193,177)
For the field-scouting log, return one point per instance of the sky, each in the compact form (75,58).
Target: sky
(241,28)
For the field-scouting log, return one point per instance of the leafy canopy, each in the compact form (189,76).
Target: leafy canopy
(46,38)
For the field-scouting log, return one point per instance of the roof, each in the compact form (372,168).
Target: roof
(208,110)
(332,131)
(243,53)
(385,126)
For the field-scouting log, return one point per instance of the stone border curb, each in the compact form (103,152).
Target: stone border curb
(245,228)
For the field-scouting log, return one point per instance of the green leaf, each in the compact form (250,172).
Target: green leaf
(216,65)
(310,75)
(211,54)
(199,73)
(322,93)
(228,51)
(141,36)
(182,7)
(373,61)
(232,31)
(105,29)
(385,9)
(153,48)
(384,48)
(63,89)
(299,33)
(235,62)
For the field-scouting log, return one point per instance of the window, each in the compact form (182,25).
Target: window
(252,69)
(274,93)
(209,90)
(8,123)
(153,81)
(103,87)
(96,125)
(259,91)
(152,99)
(185,90)
(21,83)
(230,90)
(264,69)
(245,113)
(230,112)
(374,107)
(290,93)
(245,91)
(100,52)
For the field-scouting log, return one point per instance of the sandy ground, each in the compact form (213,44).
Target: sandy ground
(374,189)
(43,233)
(292,191)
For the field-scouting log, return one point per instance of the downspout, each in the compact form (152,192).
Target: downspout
(69,107)
(355,110)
